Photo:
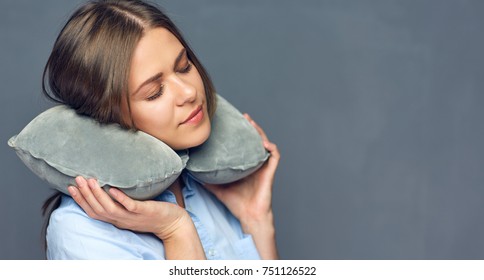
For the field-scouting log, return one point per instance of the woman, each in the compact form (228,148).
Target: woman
(125,62)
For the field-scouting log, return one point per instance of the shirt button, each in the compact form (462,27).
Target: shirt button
(211,252)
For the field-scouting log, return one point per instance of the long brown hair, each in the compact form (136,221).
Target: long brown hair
(90,62)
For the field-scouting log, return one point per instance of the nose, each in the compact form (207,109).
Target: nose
(185,91)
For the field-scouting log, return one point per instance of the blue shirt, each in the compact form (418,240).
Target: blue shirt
(72,234)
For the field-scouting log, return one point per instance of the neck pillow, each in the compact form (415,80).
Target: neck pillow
(59,145)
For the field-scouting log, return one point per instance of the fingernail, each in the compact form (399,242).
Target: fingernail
(72,190)
(92,183)
(113,192)
(78,181)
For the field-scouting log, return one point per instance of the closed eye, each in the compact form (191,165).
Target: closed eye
(156,94)
(186,69)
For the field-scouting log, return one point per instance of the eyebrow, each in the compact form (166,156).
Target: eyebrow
(157,76)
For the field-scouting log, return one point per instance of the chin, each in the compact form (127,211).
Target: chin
(202,136)
(196,138)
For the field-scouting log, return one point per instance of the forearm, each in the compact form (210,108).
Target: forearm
(264,235)
(183,243)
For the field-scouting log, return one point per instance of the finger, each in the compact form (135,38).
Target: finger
(275,155)
(88,195)
(105,201)
(79,199)
(272,148)
(128,203)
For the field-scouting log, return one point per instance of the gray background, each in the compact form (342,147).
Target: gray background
(376,107)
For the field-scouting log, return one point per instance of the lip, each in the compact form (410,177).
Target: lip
(193,114)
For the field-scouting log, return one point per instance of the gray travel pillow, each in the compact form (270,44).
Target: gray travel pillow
(59,145)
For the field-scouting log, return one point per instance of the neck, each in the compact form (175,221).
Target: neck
(176,188)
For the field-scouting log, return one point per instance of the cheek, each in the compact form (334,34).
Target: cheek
(153,118)
(197,81)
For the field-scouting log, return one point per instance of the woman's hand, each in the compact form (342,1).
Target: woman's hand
(160,218)
(167,221)
(250,199)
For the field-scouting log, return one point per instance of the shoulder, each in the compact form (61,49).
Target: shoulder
(70,218)
(72,234)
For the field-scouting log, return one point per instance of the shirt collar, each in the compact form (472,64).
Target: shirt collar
(189,184)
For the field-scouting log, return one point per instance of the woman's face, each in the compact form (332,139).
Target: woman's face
(167,95)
